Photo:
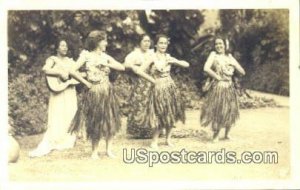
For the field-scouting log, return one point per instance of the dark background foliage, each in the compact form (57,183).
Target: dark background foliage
(259,41)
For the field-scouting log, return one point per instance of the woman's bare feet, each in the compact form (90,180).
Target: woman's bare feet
(216,136)
(95,155)
(110,154)
(153,145)
(38,153)
(227,137)
(215,140)
(169,143)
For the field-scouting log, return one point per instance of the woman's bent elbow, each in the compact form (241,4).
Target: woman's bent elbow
(206,70)
(122,68)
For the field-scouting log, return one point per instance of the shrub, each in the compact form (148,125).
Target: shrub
(28,104)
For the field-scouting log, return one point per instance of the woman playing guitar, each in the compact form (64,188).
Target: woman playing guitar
(62,102)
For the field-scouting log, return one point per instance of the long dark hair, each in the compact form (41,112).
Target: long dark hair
(225,41)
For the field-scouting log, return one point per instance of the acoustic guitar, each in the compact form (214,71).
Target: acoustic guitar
(55,84)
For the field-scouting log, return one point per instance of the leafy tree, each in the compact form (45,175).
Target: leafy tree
(260,40)
(32,37)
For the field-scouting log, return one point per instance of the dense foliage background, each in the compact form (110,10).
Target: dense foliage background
(259,41)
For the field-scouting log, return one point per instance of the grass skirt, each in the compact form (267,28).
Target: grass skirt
(220,107)
(98,112)
(167,103)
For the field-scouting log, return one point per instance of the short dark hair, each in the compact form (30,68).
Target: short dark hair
(94,38)
(140,37)
(158,36)
(68,42)
(58,41)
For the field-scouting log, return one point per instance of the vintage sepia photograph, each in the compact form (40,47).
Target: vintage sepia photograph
(150,96)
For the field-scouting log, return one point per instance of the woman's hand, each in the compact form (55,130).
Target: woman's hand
(135,69)
(83,74)
(232,63)
(78,77)
(218,78)
(141,73)
(88,85)
(153,81)
(64,75)
(236,65)
(181,63)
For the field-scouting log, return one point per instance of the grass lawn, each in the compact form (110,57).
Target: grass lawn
(263,129)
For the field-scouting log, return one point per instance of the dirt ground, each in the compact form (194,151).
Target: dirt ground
(263,129)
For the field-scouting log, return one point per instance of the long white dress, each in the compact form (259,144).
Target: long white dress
(61,110)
